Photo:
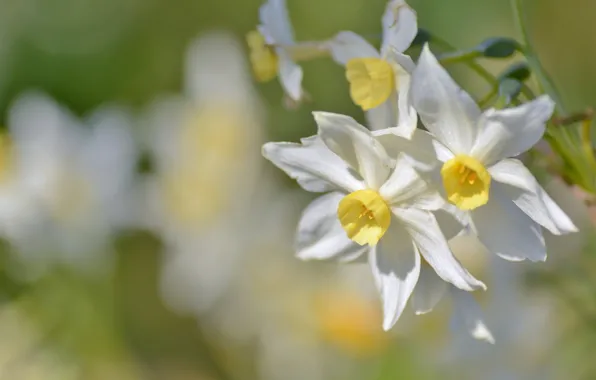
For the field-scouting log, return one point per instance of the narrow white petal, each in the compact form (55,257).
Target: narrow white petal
(320,235)
(418,149)
(356,145)
(348,45)
(512,131)
(276,22)
(400,26)
(506,230)
(430,241)
(313,165)
(290,76)
(383,116)
(407,115)
(396,266)
(441,151)
(530,197)
(429,290)
(451,220)
(467,316)
(446,110)
(405,188)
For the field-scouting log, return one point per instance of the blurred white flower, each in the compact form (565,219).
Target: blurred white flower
(475,148)
(523,323)
(80,173)
(307,324)
(274,51)
(205,155)
(380,81)
(371,200)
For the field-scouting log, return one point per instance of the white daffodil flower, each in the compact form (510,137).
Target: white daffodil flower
(380,81)
(504,202)
(374,205)
(82,173)
(274,51)
(204,147)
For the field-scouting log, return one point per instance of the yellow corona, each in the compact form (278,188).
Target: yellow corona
(372,81)
(365,216)
(466,181)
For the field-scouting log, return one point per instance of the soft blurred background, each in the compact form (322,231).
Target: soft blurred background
(146,238)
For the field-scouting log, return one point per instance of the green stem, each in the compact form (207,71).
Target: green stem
(573,147)
(545,82)
(481,71)
(458,57)
(468,60)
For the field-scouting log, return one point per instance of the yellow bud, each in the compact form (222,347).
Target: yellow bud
(263,58)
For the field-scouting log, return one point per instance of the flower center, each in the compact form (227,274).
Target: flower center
(466,182)
(263,58)
(365,216)
(372,81)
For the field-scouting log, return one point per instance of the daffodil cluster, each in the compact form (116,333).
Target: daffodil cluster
(395,193)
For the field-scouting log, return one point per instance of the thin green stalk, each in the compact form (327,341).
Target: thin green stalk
(564,140)
(545,82)
(468,59)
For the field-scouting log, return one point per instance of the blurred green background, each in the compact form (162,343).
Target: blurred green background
(85,53)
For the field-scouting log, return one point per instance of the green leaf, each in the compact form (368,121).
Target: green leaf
(498,47)
(519,71)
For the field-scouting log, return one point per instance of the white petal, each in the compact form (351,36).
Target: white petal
(320,236)
(512,131)
(275,21)
(400,26)
(396,266)
(506,230)
(467,316)
(430,241)
(356,145)
(446,110)
(429,290)
(442,152)
(290,76)
(404,67)
(383,116)
(313,165)
(347,45)
(530,197)
(418,149)
(405,188)
(451,220)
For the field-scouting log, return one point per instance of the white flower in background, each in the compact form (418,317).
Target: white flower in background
(320,329)
(206,163)
(372,199)
(380,81)
(467,315)
(81,173)
(504,202)
(19,205)
(274,51)
(523,321)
